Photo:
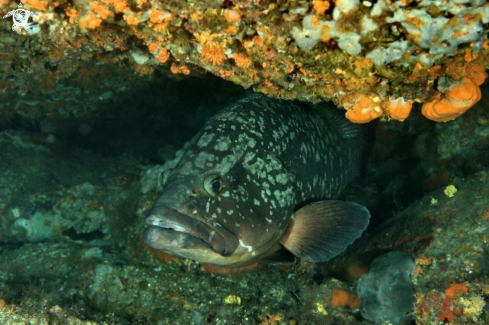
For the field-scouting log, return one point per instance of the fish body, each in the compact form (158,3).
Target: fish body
(259,181)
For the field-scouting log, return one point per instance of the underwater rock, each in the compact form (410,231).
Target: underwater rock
(386,290)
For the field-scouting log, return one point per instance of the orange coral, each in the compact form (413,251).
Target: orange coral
(153,47)
(417,271)
(156,16)
(213,54)
(448,310)
(140,3)
(205,37)
(315,20)
(232,16)
(231,29)
(72,13)
(320,6)
(257,40)
(163,56)
(448,315)
(398,109)
(37,4)
(119,5)
(364,109)
(100,10)
(452,103)
(242,60)
(423,260)
(131,20)
(176,69)
(226,73)
(160,28)
(452,290)
(342,298)
(91,21)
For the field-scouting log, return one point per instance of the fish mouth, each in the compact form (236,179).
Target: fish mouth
(172,231)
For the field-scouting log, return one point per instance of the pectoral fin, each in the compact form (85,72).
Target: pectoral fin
(319,231)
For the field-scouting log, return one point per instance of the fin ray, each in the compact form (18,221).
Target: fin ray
(321,230)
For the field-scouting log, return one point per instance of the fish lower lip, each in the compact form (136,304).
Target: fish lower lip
(221,241)
(171,241)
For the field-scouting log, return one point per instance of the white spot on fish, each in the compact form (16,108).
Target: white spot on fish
(272,202)
(271,180)
(230,212)
(222,144)
(207,206)
(284,197)
(247,247)
(202,158)
(205,139)
(268,220)
(256,202)
(187,168)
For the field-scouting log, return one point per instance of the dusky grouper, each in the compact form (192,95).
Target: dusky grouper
(259,182)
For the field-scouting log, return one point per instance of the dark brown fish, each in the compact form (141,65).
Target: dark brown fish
(259,182)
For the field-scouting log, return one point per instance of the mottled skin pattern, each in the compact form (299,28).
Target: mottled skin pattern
(273,157)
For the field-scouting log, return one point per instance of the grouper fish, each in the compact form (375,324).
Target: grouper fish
(260,182)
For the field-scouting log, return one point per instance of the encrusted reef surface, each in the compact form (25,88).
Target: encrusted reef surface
(77,180)
(373,58)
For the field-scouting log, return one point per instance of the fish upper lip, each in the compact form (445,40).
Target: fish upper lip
(221,240)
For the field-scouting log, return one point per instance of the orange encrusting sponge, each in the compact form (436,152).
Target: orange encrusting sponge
(453,103)
(457,100)
(398,109)
(369,108)
(342,298)
(365,109)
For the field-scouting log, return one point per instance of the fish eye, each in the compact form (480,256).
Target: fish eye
(213,185)
(164,176)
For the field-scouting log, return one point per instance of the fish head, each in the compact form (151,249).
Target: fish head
(181,221)
(212,209)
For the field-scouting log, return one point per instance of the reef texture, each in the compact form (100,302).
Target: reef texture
(450,256)
(373,58)
(74,192)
